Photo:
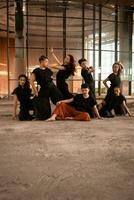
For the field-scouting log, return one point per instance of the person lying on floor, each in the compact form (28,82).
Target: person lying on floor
(81,107)
(118,104)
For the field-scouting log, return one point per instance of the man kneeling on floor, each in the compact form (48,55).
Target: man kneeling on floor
(81,107)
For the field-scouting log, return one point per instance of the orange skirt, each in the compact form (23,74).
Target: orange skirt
(64,110)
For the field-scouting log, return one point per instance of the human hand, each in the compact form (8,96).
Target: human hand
(51,50)
(36,94)
(130,115)
(58,103)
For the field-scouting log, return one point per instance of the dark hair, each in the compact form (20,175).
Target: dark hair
(41,58)
(27,85)
(84,85)
(81,60)
(118,87)
(72,64)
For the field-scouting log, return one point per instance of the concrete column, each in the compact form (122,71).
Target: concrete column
(85,46)
(19,58)
(88,47)
(125,41)
(19,42)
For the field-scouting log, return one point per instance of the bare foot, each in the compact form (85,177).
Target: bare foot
(50,119)
(69,118)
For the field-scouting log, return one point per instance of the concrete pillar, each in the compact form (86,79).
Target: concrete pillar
(19,42)
(19,58)
(125,41)
(85,47)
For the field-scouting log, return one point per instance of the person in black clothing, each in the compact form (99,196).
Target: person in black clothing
(118,103)
(114,79)
(22,94)
(65,71)
(85,104)
(44,78)
(77,107)
(86,73)
(105,110)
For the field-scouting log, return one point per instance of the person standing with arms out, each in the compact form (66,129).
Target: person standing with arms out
(65,71)
(44,78)
(86,73)
(22,94)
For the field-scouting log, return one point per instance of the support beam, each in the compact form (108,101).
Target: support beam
(19,41)
(125,40)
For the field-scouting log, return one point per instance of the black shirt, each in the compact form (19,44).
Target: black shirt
(117,100)
(115,80)
(23,96)
(83,104)
(43,76)
(62,75)
(88,78)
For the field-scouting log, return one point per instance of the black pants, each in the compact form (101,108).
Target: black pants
(25,107)
(55,94)
(109,96)
(24,115)
(106,111)
(120,110)
(41,103)
(63,87)
(42,108)
(52,92)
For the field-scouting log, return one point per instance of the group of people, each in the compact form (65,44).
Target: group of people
(36,97)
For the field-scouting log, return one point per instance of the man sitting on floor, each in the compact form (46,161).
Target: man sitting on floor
(81,107)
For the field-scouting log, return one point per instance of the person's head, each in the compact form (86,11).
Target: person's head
(85,89)
(117,91)
(69,60)
(121,66)
(43,60)
(117,68)
(23,80)
(82,62)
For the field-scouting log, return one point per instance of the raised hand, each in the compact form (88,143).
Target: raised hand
(51,50)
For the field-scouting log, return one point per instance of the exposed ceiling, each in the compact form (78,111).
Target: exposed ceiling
(103,2)
(55,8)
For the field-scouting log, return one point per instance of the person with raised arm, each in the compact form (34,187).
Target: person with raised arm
(86,73)
(65,70)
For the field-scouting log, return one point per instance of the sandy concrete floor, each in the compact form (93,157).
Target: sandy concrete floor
(66,160)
